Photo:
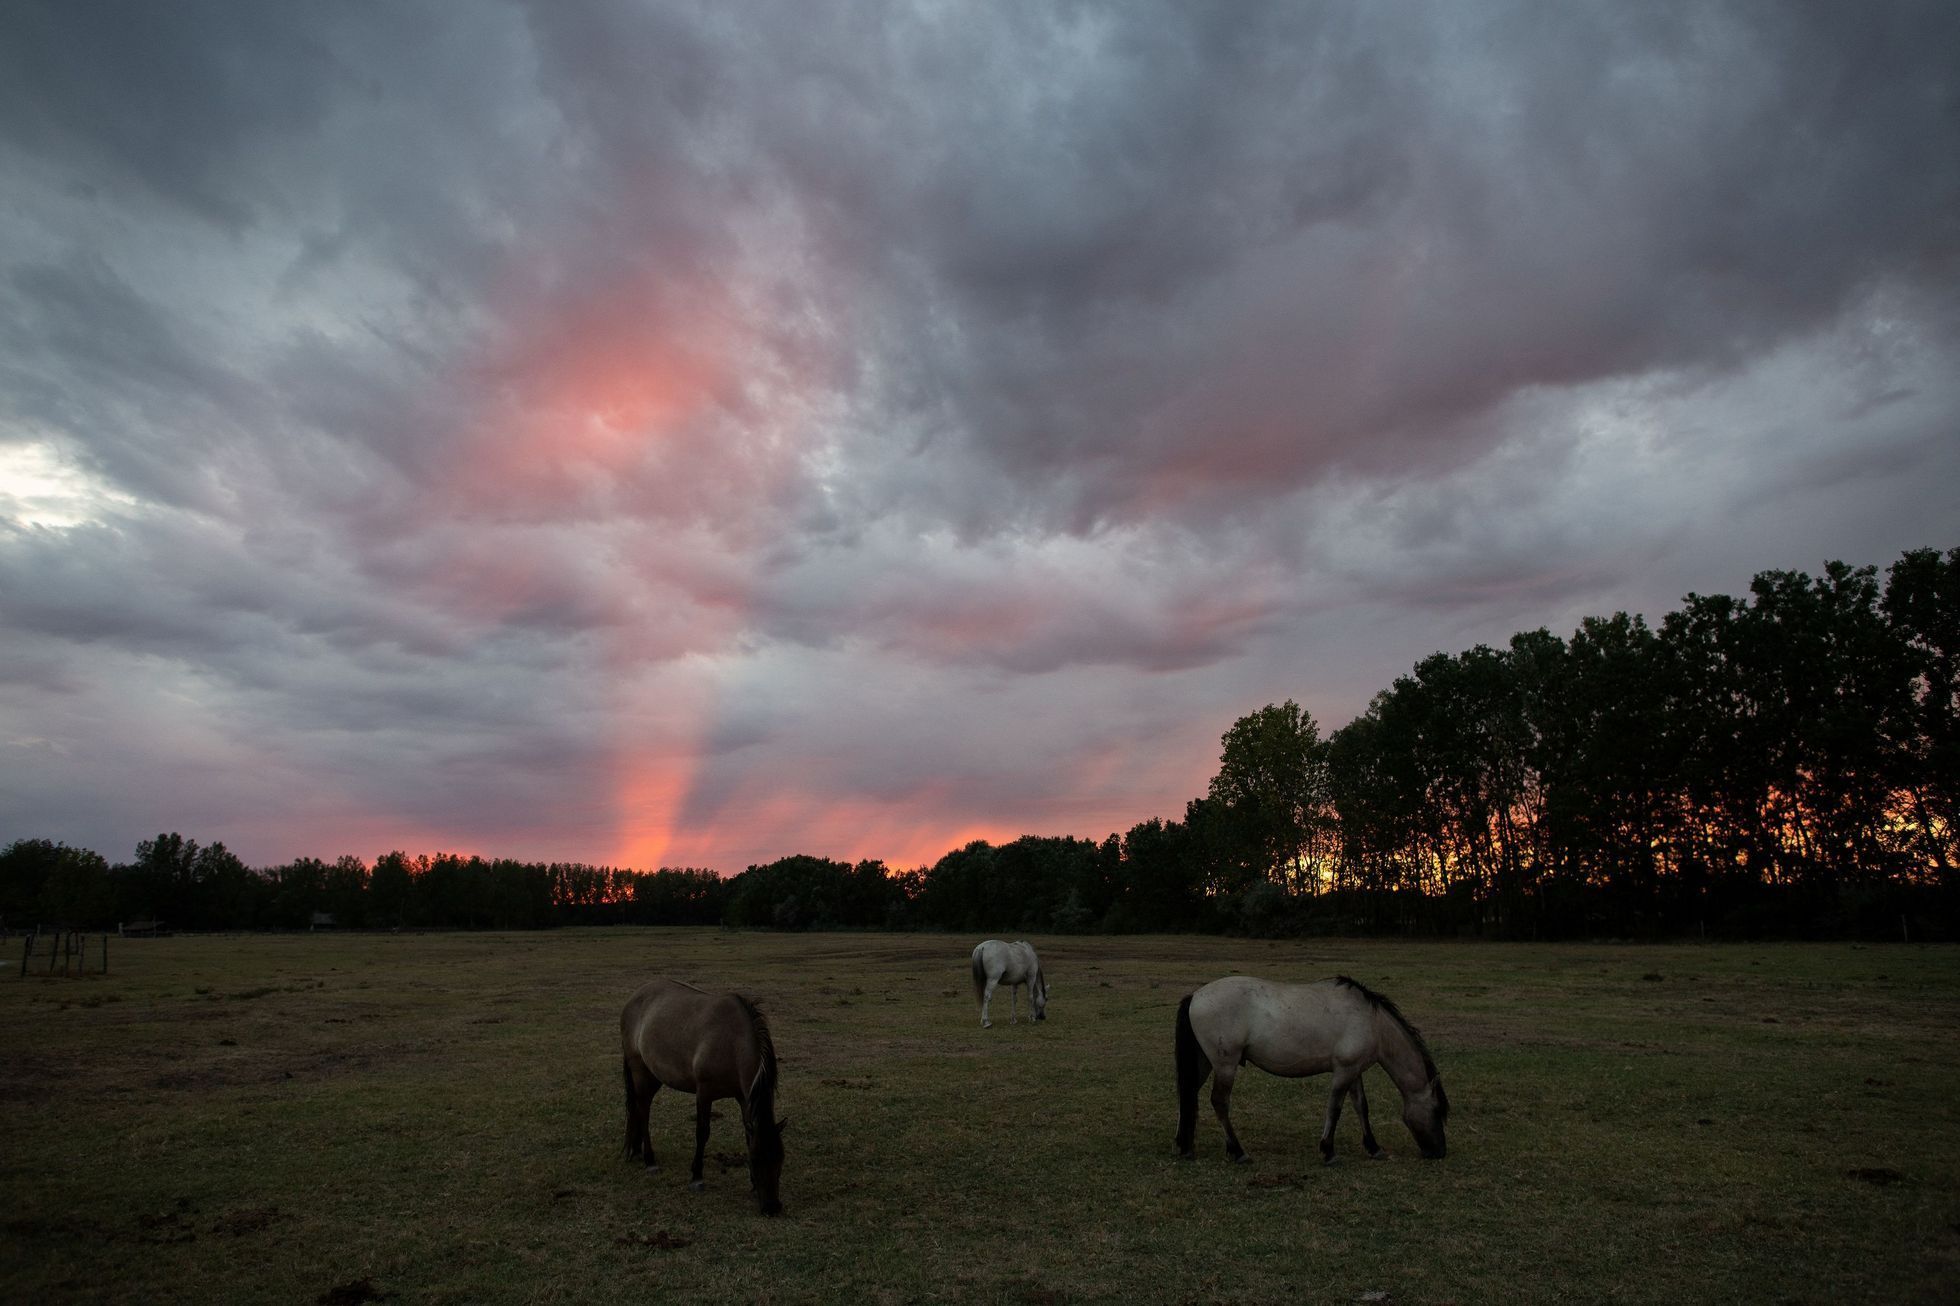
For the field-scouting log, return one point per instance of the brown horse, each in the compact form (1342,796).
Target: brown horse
(715,1046)
(1294,1030)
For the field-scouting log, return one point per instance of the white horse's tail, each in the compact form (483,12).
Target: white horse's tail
(979,975)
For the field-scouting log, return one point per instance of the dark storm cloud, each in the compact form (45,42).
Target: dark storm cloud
(1538,199)
(790,409)
(179,101)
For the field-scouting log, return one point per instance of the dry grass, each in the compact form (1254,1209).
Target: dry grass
(438,1118)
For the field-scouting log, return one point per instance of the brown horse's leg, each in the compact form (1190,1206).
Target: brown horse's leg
(640,1121)
(1344,1079)
(1221,1102)
(640,1088)
(703,1112)
(1360,1096)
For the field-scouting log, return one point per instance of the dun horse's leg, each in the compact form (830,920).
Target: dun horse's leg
(703,1112)
(1221,1102)
(986,1000)
(1344,1079)
(1360,1096)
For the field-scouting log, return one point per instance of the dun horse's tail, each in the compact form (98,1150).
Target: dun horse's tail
(1193,1068)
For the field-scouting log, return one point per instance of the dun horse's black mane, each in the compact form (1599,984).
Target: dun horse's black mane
(765,1082)
(1394,1013)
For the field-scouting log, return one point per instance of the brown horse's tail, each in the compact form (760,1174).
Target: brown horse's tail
(635,1132)
(1193,1068)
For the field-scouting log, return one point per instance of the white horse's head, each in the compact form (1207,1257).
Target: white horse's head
(1038,996)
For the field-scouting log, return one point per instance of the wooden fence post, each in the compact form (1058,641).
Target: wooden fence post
(105,954)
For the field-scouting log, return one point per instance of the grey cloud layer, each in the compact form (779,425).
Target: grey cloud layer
(470,388)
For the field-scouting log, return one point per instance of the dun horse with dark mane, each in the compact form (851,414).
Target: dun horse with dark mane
(715,1046)
(1304,1029)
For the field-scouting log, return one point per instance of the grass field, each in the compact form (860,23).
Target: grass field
(438,1119)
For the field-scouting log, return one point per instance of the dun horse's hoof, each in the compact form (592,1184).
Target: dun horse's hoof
(1242,1159)
(698,1186)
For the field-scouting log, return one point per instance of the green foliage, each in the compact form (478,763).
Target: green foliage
(1757,764)
(1268,802)
(800,893)
(1922,606)
(44,883)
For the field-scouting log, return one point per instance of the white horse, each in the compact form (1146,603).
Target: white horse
(1304,1029)
(1014,964)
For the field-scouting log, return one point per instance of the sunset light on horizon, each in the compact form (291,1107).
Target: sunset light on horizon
(689,435)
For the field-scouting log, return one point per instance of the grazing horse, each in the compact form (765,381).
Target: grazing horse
(713,1045)
(1014,964)
(1304,1029)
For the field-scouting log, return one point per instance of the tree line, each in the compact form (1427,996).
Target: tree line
(186,886)
(1786,763)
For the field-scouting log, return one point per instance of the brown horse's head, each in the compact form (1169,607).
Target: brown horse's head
(766,1164)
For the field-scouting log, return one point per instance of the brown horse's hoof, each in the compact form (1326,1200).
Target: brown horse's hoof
(698,1186)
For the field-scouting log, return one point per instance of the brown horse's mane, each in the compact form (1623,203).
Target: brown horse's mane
(1394,1013)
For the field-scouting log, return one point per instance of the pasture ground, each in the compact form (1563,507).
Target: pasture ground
(438,1118)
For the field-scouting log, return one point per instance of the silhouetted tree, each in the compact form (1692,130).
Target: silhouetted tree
(1269,803)
(46,883)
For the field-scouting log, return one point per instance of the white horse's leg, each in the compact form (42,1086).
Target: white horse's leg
(1345,1078)
(1013,1003)
(1221,1102)
(986,1000)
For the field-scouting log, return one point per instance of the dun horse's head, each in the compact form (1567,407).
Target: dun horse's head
(766,1167)
(1425,1112)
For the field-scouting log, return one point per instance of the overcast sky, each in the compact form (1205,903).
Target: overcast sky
(694,434)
